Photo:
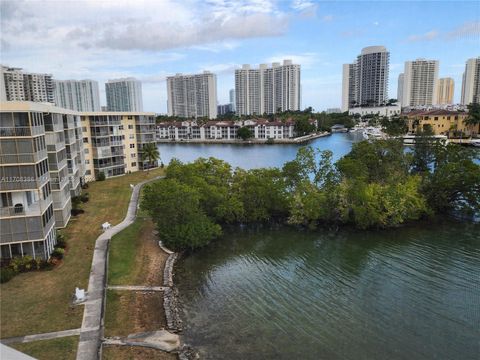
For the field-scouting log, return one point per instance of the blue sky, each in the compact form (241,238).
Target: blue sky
(152,39)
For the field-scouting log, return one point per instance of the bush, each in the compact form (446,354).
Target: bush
(58,253)
(75,212)
(85,186)
(84,197)
(100,176)
(22,264)
(6,274)
(61,242)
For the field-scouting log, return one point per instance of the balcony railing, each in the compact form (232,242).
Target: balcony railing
(23,158)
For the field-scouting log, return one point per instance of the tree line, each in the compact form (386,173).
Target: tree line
(377,185)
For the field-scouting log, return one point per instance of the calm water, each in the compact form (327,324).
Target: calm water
(255,156)
(411,293)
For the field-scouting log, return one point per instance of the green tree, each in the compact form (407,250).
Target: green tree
(175,209)
(303,126)
(150,154)
(395,126)
(454,183)
(424,150)
(244,133)
(473,118)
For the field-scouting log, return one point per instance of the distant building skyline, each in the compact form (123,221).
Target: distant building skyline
(79,95)
(420,83)
(445,92)
(124,94)
(192,96)
(471,82)
(19,85)
(268,89)
(365,82)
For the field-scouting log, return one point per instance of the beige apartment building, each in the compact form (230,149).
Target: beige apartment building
(445,91)
(46,154)
(113,142)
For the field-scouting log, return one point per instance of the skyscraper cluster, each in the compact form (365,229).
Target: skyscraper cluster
(78,95)
(267,89)
(365,82)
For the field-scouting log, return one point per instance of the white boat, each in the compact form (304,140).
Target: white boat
(475,142)
(373,133)
(411,139)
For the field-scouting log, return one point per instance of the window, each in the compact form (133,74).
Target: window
(132,136)
(132,146)
(88,172)
(86,151)
(87,162)
(130,127)
(84,129)
(133,164)
(120,127)
(133,155)
(85,140)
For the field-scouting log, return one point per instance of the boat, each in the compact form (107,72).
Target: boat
(411,139)
(475,142)
(373,133)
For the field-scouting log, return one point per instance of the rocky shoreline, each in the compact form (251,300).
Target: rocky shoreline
(170,304)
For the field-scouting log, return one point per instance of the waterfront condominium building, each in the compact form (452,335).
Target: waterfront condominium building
(113,142)
(232,99)
(420,83)
(192,96)
(471,82)
(371,76)
(401,78)
(41,167)
(17,85)
(445,91)
(348,87)
(124,95)
(79,95)
(365,82)
(267,89)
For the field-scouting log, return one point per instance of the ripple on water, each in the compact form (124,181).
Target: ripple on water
(403,294)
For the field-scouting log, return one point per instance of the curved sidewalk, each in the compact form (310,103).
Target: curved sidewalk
(92,325)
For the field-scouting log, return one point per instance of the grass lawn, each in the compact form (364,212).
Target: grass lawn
(59,349)
(39,302)
(130,312)
(134,353)
(135,257)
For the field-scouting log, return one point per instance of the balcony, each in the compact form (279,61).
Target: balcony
(21,131)
(22,209)
(23,158)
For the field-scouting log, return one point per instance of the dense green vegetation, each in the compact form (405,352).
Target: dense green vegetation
(377,185)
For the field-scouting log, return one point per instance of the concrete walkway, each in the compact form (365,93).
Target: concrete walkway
(92,324)
(136,288)
(44,336)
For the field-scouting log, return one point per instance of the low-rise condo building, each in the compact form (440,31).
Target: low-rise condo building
(442,122)
(113,142)
(225,130)
(391,110)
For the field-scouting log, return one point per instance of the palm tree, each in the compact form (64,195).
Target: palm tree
(473,118)
(150,153)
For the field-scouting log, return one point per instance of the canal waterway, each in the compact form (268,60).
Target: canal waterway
(250,156)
